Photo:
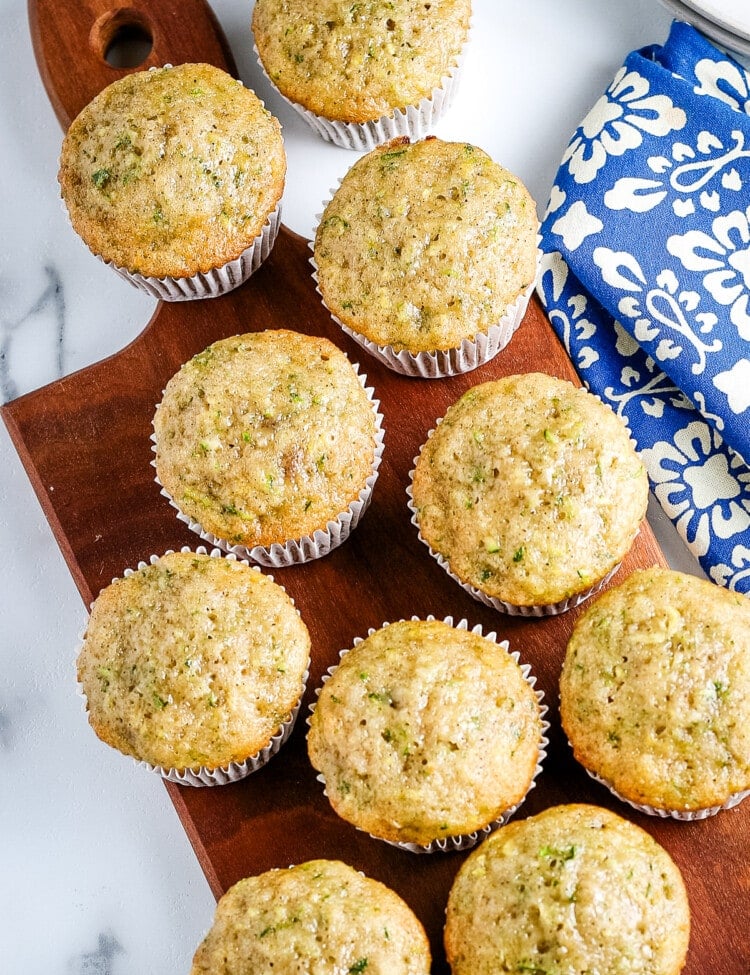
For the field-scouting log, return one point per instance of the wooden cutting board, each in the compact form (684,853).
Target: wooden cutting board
(84,441)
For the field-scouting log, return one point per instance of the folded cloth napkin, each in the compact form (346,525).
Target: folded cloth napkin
(646,279)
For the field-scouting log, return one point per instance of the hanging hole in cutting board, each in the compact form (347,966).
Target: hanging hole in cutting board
(122,38)
(129,48)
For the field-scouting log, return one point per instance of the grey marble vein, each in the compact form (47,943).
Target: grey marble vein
(101,960)
(6,733)
(14,710)
(6,729)
(52,300)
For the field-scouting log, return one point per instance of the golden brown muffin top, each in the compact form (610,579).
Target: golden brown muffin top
(574,890)
(356,62)
(530,488)
(192,661)
(265,437)
(425,244)
(655,690)
(425,731)
(172,171)
(319,916)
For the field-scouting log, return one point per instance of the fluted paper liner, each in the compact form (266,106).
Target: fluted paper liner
(683,815)
(205,284)
(307,547)
(462,841)
(415,121)
(234,771)
(511,609)
(474,351)
(213,283)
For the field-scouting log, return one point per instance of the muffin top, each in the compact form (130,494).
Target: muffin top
(530,488)
(192,661)
(265,437)
(320,916)
(655,690)
(574,890)
(424,732)
(172,171)
(425,244)
(356,62)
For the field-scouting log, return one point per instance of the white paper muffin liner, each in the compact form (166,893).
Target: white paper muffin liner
(308,547)
(234,771)
(213,283)
(470,354)
(463,841)
(683,815)
(208,284)
(416,121)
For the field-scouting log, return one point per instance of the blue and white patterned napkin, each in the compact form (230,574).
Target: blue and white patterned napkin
(646,278)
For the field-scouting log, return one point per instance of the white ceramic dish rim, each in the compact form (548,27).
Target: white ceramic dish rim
(734,43)
(731,15)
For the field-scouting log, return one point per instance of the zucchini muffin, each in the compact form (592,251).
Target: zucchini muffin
(320,916)
(655,693)
(363,73)
(268,444)
(529,493)
(194,664)
(174,176)
(427,255)
(574,890)
(426,733)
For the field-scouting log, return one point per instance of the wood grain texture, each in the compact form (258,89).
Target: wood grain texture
(71,38)
(84,441)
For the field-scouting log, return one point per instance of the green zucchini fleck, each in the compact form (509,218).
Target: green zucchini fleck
(100,178)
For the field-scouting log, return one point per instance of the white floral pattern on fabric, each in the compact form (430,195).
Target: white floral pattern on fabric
(697,487)
(735,382)
(724,80)
(676,311)
(617,122)
(723,258)
(648,387)
(571,320)
(646,279)
(680,179)
(576,225)
(737,575)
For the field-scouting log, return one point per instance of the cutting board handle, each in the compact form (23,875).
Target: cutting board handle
(71,39)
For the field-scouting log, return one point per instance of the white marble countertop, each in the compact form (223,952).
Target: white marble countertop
(98,875)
